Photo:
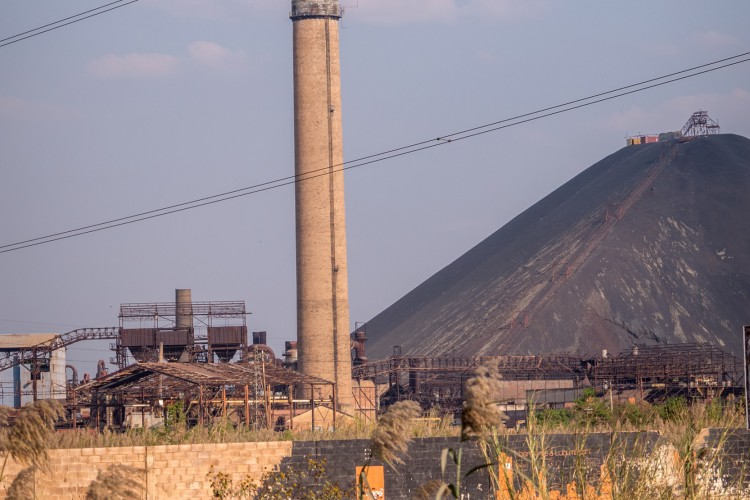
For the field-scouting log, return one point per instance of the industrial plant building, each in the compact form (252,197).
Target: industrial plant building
(631,278)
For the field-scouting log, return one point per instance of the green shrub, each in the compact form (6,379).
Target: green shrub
(638,415)
(553,418)
(673,409)
(590,410)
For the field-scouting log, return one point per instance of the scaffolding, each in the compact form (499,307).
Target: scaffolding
(253,395)
(259,393)
(36,353)
(647,372)
(219,330)
(437,383)
(694,370)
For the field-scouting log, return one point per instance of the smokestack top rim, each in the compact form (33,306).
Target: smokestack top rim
(307,9)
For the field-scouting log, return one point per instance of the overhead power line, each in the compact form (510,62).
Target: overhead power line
(389,154)
(65,22)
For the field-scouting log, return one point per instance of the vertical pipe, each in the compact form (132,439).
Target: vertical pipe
(94,410)
(223,402)
(269,410)
(75,409)
(34,373)
(334,408)
(312,408)
(183,308)
(200,405)
(16,382)
(291,407)
(247,407)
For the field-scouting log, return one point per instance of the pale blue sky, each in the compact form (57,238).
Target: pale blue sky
(164,101)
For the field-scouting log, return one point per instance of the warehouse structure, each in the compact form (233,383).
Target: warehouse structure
(195,356)
(38,364)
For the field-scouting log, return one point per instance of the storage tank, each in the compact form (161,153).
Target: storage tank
(225,341)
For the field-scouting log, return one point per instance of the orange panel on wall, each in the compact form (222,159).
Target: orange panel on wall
(374,481)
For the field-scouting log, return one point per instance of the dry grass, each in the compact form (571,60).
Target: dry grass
(392,436)
(680,467)
(429,490)
(26,441)
(480,416)
(23,485)
(117,482)
(87,438)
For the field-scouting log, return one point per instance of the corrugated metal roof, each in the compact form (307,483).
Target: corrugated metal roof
(13,341)
(206,374)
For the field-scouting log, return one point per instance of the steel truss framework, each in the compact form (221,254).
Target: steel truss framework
(38,356)
(162,316)
(250,394)
(697,370)
(700,124)
(437,383)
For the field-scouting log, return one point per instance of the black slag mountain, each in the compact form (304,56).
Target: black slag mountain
(651,245)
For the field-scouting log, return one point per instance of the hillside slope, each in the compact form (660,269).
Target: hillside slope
(649,245)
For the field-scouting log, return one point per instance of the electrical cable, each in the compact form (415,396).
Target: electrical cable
(18,322)
(385,155)
(56,24)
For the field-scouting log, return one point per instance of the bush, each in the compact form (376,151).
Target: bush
(554,418)
(310,483)
(673,409)
(591,410)
(639,415)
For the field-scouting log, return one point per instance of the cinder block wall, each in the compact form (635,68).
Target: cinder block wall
(178,471)
(730,447)
(564,455)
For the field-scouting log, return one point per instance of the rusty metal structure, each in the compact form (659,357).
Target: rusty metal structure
(37,356)
(258,392)
(39,352)
(251,394)
(437,383)
(698,125)
(697,371)
(216,331)
(694,370)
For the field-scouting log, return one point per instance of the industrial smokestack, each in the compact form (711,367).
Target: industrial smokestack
(322,287)
(183,303)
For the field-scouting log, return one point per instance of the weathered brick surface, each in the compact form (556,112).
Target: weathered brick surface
(728,451)
(178,471)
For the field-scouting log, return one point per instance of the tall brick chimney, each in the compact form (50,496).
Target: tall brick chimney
(322,286)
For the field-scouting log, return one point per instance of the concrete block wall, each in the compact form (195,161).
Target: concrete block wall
(176,471)
(565,453)
(729,449)
(180,471)
(421,465)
